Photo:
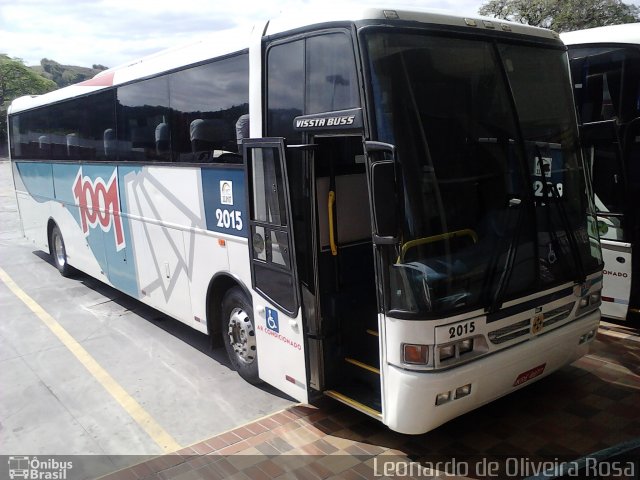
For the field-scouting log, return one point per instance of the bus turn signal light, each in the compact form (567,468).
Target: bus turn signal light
(415,354)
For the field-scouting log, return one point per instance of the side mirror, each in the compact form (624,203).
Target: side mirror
(384,192)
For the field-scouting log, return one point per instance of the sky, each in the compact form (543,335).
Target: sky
(112,32)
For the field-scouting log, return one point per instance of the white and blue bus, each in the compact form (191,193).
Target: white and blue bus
(387,207)
(605,66)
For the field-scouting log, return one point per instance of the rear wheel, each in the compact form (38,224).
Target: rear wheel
(238,331)
(59,252)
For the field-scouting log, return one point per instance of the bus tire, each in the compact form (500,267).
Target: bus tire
(59,252)
(239,334)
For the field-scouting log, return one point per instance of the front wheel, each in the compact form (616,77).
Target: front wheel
(59,252)
(239,334)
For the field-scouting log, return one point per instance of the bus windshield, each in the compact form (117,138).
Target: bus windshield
(495,199)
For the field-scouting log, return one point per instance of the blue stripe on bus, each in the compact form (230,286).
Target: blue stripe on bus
(37,180)
(56,182)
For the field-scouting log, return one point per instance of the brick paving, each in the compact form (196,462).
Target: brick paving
(588,406)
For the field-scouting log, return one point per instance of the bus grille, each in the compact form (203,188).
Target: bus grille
(558,314)
(510,332)
(522,328)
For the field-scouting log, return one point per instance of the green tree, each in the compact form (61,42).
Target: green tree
(562,15)
(17,80)
(65,75)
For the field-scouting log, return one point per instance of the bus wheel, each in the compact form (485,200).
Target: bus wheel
(59,252)
(239,334)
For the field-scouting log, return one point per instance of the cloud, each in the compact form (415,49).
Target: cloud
(111,32)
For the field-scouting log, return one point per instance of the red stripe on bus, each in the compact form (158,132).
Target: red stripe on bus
(104,80)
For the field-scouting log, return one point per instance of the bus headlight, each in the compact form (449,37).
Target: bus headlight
(459,351)
(466,346)
(447,352)
(589,302)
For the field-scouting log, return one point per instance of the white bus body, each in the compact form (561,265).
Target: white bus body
(412,244)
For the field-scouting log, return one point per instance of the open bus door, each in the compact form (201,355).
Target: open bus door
(276,297)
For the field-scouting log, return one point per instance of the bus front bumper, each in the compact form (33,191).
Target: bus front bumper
(410,396)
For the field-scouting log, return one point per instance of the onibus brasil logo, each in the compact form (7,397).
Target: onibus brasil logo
(99,205)
(35,469)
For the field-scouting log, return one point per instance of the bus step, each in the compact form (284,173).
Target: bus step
(362,365)
(369,405)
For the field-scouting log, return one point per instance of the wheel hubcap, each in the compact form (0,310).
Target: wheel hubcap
(242,336)
(59,250)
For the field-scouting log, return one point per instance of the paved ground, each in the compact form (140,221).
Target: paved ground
(589,406)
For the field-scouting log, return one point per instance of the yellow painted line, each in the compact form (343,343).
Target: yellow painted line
(119,394)
(372,332)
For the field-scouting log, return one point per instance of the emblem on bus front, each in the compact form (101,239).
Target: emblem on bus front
(537,324)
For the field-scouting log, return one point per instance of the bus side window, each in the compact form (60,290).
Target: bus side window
(141,108)
(209,137)
(285,89)
(162,139)
(109,143)
(206,102)
(331,74)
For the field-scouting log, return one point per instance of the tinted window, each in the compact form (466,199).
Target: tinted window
(331,74)
(210,104)
(99,124)
(268,203)
(285,88)
(143,121)
(81,129)
(72,130)
(606,82)
(325,64)
(200,113)
(487,210)
(14,136)
(29,137)
(269,233)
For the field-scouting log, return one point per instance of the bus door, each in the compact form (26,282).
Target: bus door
(603,151)
(347,321)
(276,297)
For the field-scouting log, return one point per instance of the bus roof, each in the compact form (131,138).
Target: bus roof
(626,33)
(230,41)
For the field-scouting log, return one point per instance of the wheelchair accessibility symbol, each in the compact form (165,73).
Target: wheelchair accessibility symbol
(272,319)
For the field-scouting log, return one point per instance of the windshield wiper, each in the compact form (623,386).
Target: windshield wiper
(514,243)
(564,219)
